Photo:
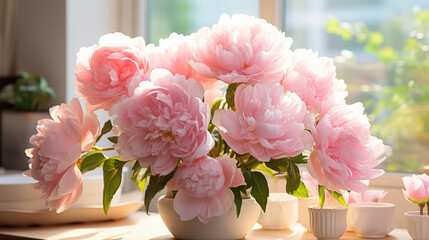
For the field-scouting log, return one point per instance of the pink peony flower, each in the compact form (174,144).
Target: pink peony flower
(345,152)
(313,79)
(367,196)
(241,49)
(163,121)
(203,188)
(174,54)
(311,184)
(103,72)
(268,123)
(416,188)
(58,144)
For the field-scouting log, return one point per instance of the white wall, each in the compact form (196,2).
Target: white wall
(86,21)
(40,47)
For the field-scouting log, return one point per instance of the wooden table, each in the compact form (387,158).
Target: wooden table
(138,225)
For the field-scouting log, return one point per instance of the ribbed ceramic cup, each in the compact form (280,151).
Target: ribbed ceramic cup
(417,225)
(328,223)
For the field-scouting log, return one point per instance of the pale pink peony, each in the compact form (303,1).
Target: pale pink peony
(104,71)
(163,121)
(311,184)
(416,188)
(268,123)
(314,79)
(57,146)
(241,49)
(174,54)
(203,188)
(345,152)
(370,195)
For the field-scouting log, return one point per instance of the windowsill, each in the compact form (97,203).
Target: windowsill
(139,225)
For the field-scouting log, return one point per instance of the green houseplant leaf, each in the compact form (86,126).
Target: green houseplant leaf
(112,175)
(156,184)
(91,161)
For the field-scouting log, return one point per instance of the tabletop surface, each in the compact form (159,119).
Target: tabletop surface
(139,225)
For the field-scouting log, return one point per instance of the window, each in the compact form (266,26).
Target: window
(187,16)
(389,68)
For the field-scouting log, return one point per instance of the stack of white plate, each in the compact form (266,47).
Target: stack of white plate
(17,192)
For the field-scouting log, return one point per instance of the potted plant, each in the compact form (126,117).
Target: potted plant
(417,191)
(177,127)
(25,103)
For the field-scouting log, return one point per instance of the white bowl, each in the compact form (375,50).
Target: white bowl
(281,211)
(371,220)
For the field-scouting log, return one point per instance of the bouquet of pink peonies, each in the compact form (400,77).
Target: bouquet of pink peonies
(204,115)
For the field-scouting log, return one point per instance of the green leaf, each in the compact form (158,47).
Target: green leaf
(259,189)
(140,175)
(252,162)
(299,159)
(293,178)
(91,161)
(301,191)
(265,169)
(156,184)
(321,196)
(113,139)
(215,107)
(338,197)
(230,93)
(136,172)
(106,128)
(237,197)
(112,174)
(279,165)
(215,151)
(248,178)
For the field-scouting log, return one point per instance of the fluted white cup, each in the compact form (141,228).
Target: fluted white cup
(417,225)
(328,223)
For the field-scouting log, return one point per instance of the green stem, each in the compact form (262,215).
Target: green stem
(102,149)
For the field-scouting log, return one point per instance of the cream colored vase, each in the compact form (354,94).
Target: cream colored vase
(328,223)
(227,226)
(417,225)
(281,212)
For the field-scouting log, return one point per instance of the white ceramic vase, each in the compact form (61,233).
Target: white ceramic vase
(417,225)
(328,223)
(227,226)
(281,212)
(304,203)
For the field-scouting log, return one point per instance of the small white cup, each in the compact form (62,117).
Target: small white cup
(371,220)
(328,222)
(281,212)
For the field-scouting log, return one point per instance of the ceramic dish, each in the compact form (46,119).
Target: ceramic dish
(72,215)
